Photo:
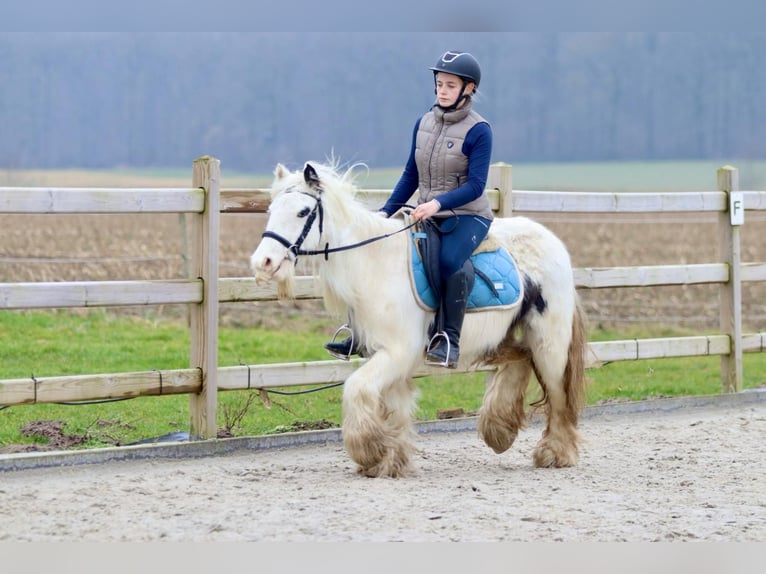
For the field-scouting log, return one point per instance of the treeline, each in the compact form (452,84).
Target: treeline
(160,100)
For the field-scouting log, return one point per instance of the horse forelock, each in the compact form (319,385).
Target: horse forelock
(292,180)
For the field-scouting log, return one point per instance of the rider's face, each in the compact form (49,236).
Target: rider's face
(449,87)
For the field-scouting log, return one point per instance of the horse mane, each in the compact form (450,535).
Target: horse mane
(329,172)
(339,191)
(346,221)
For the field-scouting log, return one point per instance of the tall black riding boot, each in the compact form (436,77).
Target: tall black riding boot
(444,350)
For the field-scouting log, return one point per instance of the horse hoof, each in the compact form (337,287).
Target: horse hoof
(377,454)
(497,437)
(387,469)
(544,456)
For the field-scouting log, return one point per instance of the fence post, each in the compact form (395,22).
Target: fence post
(731,292)
(203,243)
(500,178)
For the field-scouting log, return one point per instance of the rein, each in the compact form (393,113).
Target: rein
(295,246)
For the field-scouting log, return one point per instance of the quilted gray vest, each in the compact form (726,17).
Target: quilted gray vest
(439,157)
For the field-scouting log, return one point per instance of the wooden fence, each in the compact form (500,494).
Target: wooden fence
(203,290)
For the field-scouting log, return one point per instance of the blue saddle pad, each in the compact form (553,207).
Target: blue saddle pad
(496,266)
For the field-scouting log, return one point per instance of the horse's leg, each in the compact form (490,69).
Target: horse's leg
(502,413)
(378,402)
(399,401)
(557,355)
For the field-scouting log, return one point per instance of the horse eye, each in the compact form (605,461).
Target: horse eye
(304,212)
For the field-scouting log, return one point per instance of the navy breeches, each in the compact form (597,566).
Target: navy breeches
(460,236)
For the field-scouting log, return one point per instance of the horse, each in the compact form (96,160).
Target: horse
(360,260)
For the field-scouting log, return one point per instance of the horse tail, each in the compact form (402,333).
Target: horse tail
(574,373)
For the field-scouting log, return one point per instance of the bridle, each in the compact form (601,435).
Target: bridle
(294,247)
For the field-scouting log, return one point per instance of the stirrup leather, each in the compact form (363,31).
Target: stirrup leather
(432,343)
(338,331)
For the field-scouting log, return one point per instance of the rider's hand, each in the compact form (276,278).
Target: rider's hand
(426,210)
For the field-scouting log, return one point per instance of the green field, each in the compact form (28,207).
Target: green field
(61,342)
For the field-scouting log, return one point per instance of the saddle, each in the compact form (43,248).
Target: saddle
(496,277)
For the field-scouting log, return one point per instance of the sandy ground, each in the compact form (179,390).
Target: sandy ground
(687,474)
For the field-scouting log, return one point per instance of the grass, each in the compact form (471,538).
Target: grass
(656,378)
(47,343)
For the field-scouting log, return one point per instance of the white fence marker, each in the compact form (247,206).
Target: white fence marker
(737,208)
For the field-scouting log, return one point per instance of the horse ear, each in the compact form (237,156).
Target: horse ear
(310,176)
(280,172)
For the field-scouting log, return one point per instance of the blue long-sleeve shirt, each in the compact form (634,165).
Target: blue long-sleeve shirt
(477,147)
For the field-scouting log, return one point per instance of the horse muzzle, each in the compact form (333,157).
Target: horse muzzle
(267,267)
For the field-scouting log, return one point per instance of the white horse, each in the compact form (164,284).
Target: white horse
(314,213)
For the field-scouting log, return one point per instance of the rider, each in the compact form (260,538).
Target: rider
(448,162)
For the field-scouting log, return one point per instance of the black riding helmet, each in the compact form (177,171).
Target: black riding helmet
(461,64)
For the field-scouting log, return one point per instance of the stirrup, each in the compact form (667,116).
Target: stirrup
(338,331)
(432,343)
